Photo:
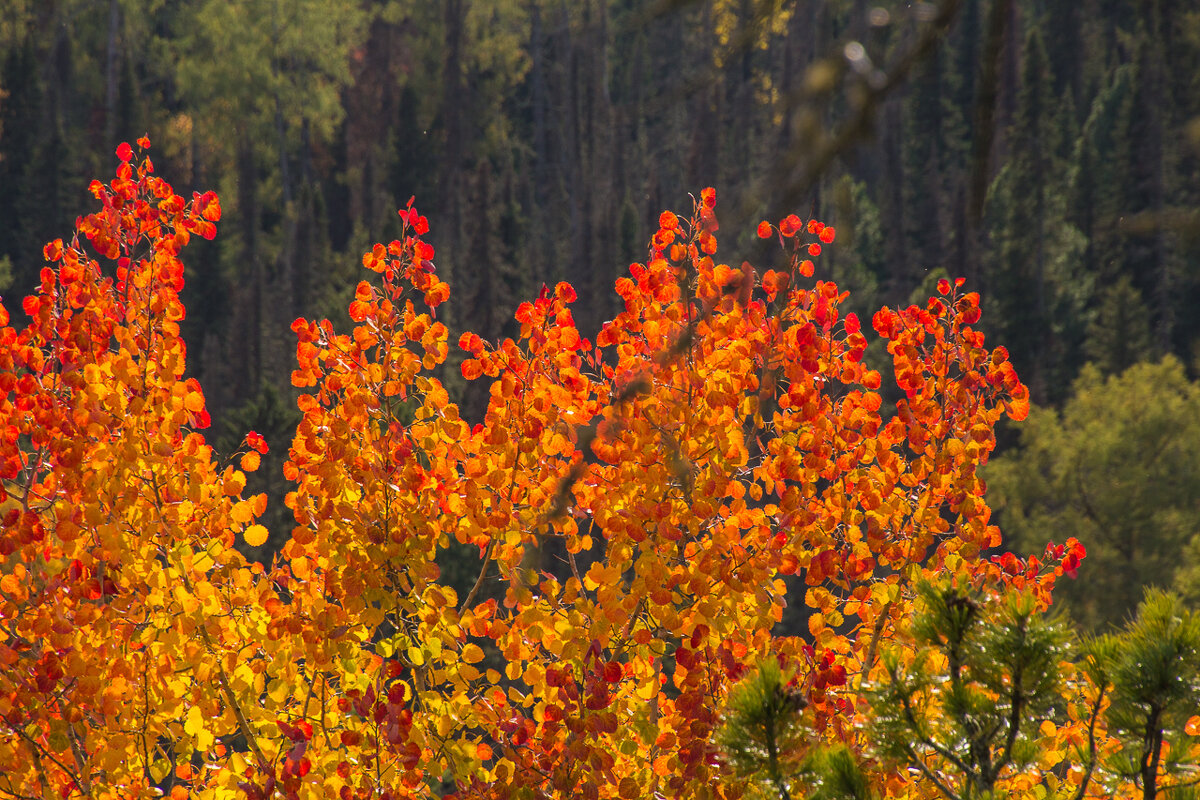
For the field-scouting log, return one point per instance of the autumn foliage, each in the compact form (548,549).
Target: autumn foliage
(719,434)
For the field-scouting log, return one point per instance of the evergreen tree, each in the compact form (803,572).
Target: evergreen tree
(1099,175)
(1148,263)
(1119,334)
(1117,470)
(966,709)
(977,691)
(1153,668)
(925,184)
(21,113)
(1034,264)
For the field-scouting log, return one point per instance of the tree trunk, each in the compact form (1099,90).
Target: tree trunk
(111,70)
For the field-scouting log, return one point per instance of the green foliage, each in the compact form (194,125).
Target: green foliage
(15,22)
(859,260)
(763,731)
(1153,666)
(244,64)
(984,690)
(1119,335)
(1035,260)
(967,708)
(1117,470)
(834,774)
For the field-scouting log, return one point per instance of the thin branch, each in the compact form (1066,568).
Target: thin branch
(637,612)
(574,568)
(941,750)
(324,728)
(876,633)
(243,723)
(487,560)
(928,773)
(223,681)
(312,685)
(1182,784)
(10,793)
(1087,775)
(42,751)
(1014,717)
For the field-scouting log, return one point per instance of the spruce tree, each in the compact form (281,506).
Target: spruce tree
(1033,264)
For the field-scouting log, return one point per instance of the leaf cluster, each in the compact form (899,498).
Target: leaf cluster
(636,503)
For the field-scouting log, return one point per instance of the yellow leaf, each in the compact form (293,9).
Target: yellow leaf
(241,513)
(193,725)
(235,482)
(301,568)
(186,599)
(255,535)
(472,654)
(160,769)
(277,691)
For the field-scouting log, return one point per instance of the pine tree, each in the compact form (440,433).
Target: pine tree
(21,113)
(1036,277)
(1116,469)
(1099,175)
(1119,334)
(1153,667)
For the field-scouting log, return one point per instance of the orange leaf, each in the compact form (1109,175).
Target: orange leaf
(241,513)
(471,369)
(255,535)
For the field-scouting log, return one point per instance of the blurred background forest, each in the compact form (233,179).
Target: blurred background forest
(1047,150)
